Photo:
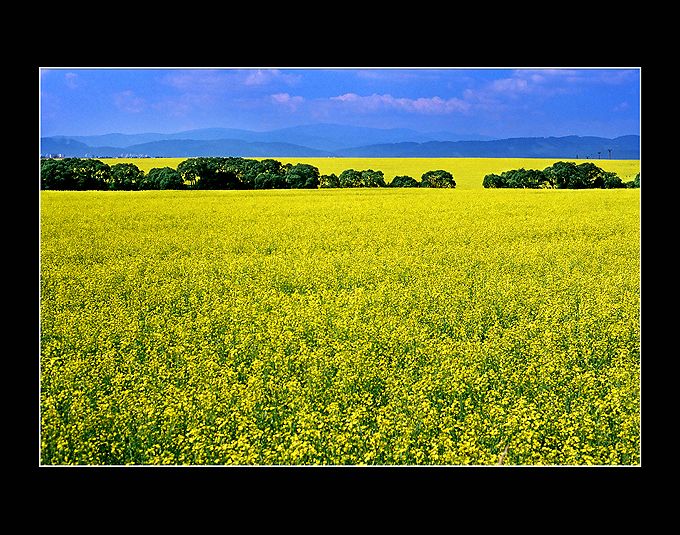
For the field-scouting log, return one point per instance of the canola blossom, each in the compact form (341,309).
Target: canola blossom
(340,327)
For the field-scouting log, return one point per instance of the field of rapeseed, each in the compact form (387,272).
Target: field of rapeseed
(335,327)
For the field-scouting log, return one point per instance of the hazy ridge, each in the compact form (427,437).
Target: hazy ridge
(327,140)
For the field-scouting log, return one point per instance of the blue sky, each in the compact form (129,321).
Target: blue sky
(491,102)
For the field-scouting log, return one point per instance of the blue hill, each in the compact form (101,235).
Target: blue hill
(336,140)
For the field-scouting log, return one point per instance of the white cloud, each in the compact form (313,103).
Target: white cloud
(291,102)
(261,77)
(393,75)
(568,80)
(424,105)
(510,85)
(226,82)
(541,83)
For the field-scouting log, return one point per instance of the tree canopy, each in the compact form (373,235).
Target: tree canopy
(437,179)
(162,178)
(368,178)
(221,173)
(125,176)
(560,175)
(404,181)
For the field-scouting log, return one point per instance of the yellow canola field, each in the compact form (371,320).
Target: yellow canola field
(340,327)
(467,172)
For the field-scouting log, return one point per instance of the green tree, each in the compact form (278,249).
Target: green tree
(233,169)
(302,175)
(270,170)
(329,181)
(493,180)
(90,174)
(372,179)
(404,181)
(534,178)
(270,180)
(192,170)
(438,178)
(589,176)
(350,178)
(524,178)
(561,174)
(514,178)
(212,173)
(611,181)
(218,175)
(635,183)
(125,176)
(367,178)
(162,178)
(57,174)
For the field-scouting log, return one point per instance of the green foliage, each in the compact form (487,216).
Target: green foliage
(521,178)
(404,181)
(635,183)
(350,178)
(533,178)
(367,178)
(493,180)
(590,176)
(372,179)
(242,173)
(91,174)
(219,173)
(560,175)
(301,176)
(263,174)
(192,170)
(192,173)
(612,181)
(57,174)
(269,180)
(208,174)
(438,178)
(125,176)
(162,178)
(74,174)
(329,181)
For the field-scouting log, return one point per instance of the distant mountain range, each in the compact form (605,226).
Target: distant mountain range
(329,140)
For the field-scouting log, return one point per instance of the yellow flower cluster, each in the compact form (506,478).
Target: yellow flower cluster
(340,327)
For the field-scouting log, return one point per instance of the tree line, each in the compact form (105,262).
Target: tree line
(218,173)
(560,175)
(206,173)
